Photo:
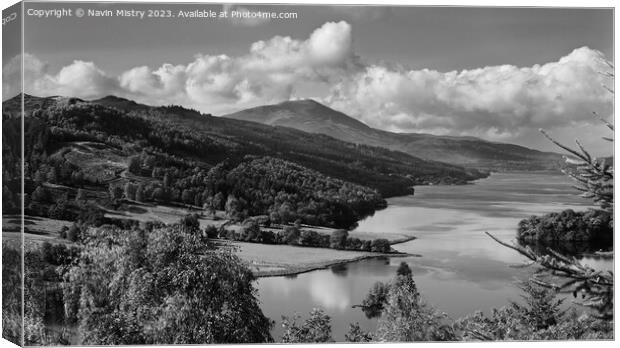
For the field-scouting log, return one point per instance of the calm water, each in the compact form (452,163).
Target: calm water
(460,270)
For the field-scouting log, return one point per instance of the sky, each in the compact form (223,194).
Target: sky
(495,73)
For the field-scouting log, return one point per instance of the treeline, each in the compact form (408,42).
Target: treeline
(568,231)
(187,134)
(170,285)
(294,235)
(404,316)
(166,285)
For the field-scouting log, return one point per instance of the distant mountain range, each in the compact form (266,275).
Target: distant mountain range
(313,117)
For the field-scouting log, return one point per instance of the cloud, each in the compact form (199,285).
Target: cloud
(78,79)
(496,102)
(504,102)
(268,73)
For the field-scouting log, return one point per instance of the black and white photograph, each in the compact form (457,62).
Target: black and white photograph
(179,173)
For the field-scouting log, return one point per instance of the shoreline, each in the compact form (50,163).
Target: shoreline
(324,265)
(330,263)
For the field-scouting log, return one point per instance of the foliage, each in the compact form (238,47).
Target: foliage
(595,287)
(287,191)
(315,329)
(291,235)
(338,239)
(357,335)
(375,300)
(539,319)
(380,246)
(595,179)
(404,270)
(211,231)
(11,294)
(165,286)
(407,318)
(593,228)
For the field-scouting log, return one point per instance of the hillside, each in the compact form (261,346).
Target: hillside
(313,117)
(114,148)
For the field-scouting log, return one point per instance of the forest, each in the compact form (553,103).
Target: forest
(172,283)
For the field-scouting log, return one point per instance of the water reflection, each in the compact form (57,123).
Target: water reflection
(461,269)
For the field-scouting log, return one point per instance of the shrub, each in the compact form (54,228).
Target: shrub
(380,246)
(591,227)
(353,244)
(338,239)
(404,270)
(250,231)
(74,233)
(316,329)
(161,287)
(310,238)
(211,232)
(190,222)
(267,237)
(356,334)
(291,235)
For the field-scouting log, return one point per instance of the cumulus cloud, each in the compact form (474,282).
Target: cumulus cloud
(268,73)
(497,102)
(79,79)
(505,102)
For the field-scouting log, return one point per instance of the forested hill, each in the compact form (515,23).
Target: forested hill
(113,141)
(313,117)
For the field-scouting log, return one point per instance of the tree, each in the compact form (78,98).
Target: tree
(380,246)
(130,191)
(316,329)
(39,178)
(541,309)
(140,196)
(163,287)
(232,207)
(158,194)
(291,235)
(134,165)
(594,179)
(356,334)
(40,194)
(211,232)
(166,180)
(52,175)
(338,239)
(540,318)
(191,223)
(406,318)
(12,304)
(208,206)
(115,191)
(73,233)
(218,201)
(187,196)
(375,300)
(80,197)
(404,270)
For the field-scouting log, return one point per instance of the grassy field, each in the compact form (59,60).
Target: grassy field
(275,260)
(37,230)
(170,214)
(263,259)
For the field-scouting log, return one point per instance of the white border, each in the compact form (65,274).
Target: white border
(477,3)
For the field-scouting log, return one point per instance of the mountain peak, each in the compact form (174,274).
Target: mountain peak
(307,114)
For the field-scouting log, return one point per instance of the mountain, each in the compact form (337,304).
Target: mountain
(313,117)
(64,124)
